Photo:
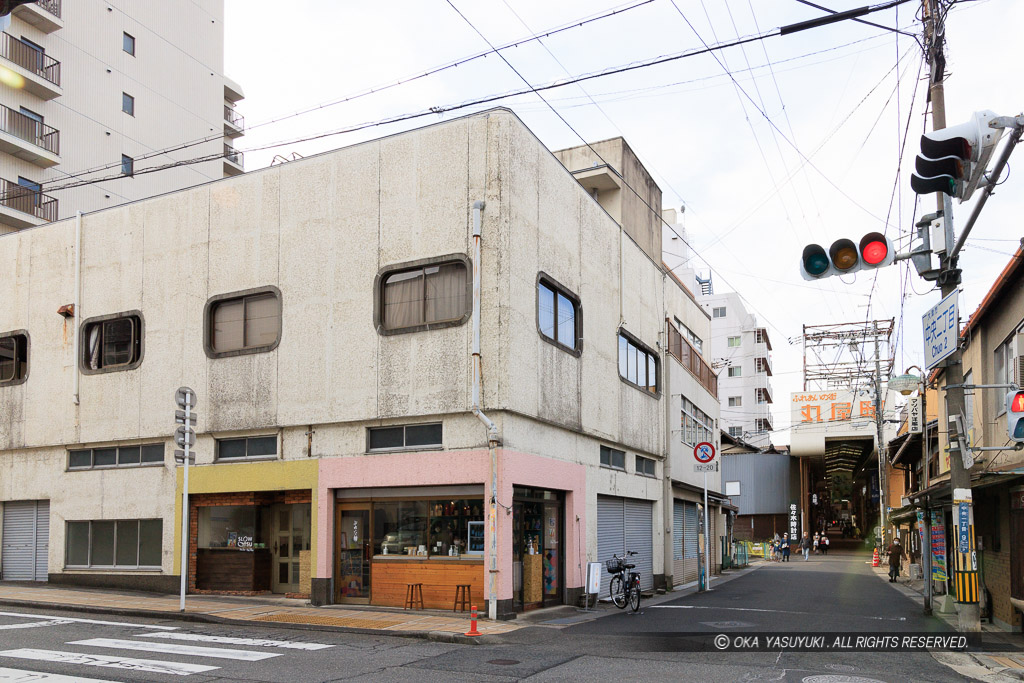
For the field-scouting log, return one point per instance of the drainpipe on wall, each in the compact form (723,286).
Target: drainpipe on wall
(78,303)
(669,504)
(492,429)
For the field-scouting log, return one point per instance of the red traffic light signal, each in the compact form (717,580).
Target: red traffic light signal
(1015,416)
(846,256)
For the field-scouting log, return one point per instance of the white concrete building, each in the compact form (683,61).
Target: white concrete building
(739,348)
(326,321)
(89,91)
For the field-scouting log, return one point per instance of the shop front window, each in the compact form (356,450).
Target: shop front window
(424,528)
(233,527)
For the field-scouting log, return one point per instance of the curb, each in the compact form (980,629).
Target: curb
(198,617)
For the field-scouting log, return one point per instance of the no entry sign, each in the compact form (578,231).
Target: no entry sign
(704,452)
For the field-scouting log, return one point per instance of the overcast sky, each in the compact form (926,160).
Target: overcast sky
(802,144)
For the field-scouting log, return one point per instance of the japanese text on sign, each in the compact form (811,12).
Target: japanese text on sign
(940,331)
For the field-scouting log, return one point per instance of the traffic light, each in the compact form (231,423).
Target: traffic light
(846,256)
(1015,416)
(953,160)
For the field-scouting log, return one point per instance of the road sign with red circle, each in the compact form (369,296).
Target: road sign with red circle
(704,452)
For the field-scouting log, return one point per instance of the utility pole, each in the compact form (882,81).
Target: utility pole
(965,572)
(883,458)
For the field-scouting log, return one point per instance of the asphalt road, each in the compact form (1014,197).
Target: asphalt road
(825,595)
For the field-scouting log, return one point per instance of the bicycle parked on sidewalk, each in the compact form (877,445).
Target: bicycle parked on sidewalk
(625,584)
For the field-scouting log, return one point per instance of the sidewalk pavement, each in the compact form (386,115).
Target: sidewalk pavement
(992,667)
(430,624)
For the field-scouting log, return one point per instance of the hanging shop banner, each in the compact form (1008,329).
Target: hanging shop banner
(938,547)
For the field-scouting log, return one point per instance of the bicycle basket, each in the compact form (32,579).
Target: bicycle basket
(614,565)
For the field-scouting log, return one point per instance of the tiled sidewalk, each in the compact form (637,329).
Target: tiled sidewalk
(272,611)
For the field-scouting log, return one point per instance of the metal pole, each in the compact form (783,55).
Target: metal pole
(926,545)
(184,508)
(882,457)
(707,538)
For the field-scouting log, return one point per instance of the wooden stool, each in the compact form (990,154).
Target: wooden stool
(414,596)
(463,594)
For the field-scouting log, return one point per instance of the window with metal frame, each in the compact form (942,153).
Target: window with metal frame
(123,543)
(128,43)
(112,344)
(557,314)
(735,371)
(718,312)
(638,365)
(736,432)
(127,165)
(247,448)
(404,437)
(735,401)
(413,297)
(116,456)
(247,323)
(127,104)
(735,342)
(645,466)
(697,425)
(690,335)
(613,458)
(13,358)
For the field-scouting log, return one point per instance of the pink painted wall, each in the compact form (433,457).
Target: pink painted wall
(460,467)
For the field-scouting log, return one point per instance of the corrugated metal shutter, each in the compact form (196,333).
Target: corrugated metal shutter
(690,546)
(639,516)
(26,542)
(678,515)
(716,556)
(611,535)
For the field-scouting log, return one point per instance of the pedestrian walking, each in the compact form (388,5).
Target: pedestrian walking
(785,547)
(896,555)
(816,542)
(823,544)
(805,545)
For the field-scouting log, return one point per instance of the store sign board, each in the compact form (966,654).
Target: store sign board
(915,415)
(940,331)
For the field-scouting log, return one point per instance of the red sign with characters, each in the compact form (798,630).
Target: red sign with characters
(704,452)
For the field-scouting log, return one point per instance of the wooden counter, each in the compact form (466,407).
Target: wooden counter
(221,569)
(533,579)
(439,575)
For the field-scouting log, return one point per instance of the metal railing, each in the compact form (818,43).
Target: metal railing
(30,130)
(233,155)
(233,117)
(27,200)
(29,58)
(51,6)
(684,352)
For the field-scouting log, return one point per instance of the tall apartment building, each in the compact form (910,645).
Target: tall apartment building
(739,348)
(329,322)
(97,86)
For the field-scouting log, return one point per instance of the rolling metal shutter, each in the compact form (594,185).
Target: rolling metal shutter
(690,542)
(639,516)
(678,515)
(611,535)
(26,532)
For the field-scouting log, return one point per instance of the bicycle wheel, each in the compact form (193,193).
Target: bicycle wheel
(617,589)
(634,596)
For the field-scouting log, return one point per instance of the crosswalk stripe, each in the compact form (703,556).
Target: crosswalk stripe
(35,624)
(87,621)
(147,665)
(175,649)
(228,640)
(23,676)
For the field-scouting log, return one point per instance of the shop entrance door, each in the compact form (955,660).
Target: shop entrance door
(537,556)
(289,536)
(355,549)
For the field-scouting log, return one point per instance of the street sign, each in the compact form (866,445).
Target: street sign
(179,418)
(940,331)
(179,457)
(963,528)
(705,467)
(183,435)
(914,415)
(185,396)
(704,452)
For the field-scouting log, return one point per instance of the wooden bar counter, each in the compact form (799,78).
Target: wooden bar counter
(223,569)
(439,576)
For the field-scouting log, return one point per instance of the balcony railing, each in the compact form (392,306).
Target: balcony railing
(27,200)
(51,6)
(233,155)
(683,352)
(233,117)
(29,58)
(28,129)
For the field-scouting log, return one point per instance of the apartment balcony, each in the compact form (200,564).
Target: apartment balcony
(761,383)
(233,161)
(234,123)
(762,365)
(38,73)
(22,207)
(43,14)
(26,138)
(761,350)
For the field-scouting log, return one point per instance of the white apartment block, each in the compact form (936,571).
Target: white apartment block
(739,348)
(327,320)
(91,86)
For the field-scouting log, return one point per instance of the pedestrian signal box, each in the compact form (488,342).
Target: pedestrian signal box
(1015,416)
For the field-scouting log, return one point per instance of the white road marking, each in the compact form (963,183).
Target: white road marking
(148,665)
(175,649)
(87,621)
(35,624)
(22,676)
(773,611)
(227,640)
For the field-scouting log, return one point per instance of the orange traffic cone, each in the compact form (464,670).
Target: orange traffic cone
(472,624)
(875,562)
